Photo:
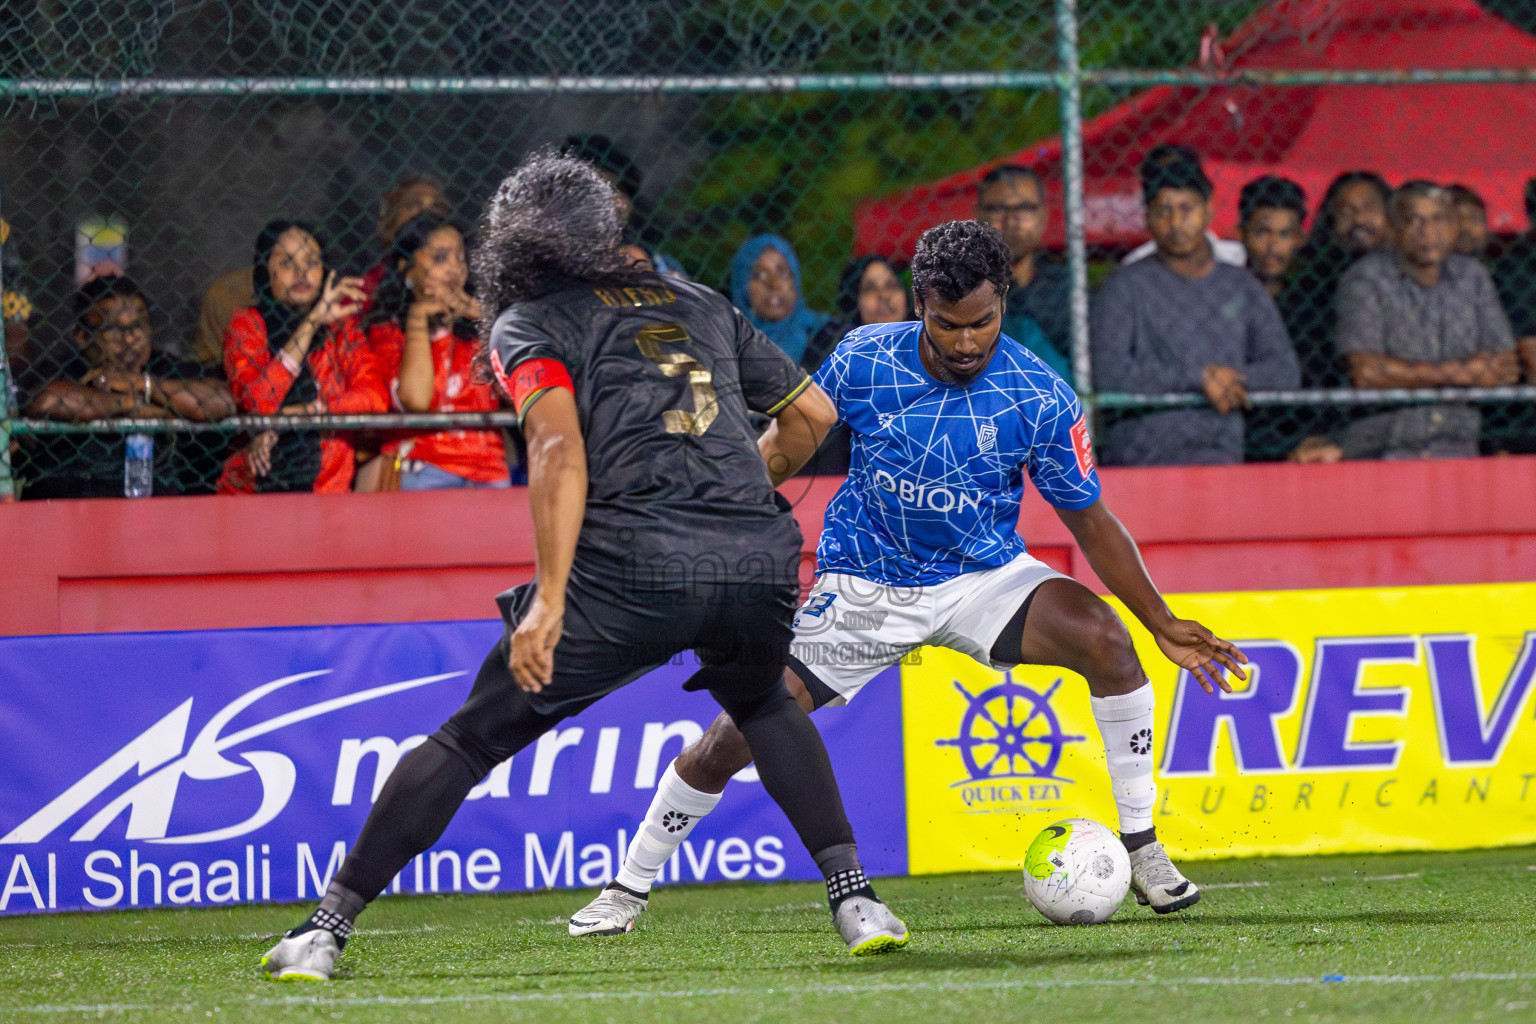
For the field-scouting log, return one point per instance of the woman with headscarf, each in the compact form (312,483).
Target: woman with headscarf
(297,352)
(423,335)
(765,285)
(869,292)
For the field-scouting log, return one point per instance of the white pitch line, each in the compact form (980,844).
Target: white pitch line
(242,937)
(1390,878)
(792,990)
(1235,885)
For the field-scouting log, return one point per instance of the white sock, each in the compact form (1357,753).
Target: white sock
(1125,723)
(675,810)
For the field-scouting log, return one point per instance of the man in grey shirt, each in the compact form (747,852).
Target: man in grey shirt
(1012,199)
(1182,321)
(1417,315)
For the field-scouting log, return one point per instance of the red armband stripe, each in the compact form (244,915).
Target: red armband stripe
(530,379)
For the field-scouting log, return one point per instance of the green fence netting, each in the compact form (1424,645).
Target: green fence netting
(157,137)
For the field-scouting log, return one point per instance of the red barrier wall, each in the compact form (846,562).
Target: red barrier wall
(284,560)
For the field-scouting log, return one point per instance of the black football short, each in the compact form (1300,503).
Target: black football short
(736,634)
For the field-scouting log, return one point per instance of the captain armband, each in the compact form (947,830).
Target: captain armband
(530,379)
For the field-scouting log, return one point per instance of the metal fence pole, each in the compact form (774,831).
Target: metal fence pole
(1070,85)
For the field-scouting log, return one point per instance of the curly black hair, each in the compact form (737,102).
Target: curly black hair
(954,258)
(1322,221)
(551,224)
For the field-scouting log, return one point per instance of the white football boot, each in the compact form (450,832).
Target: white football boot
(307,957)
(868,926)
(612,912)
(1158,884)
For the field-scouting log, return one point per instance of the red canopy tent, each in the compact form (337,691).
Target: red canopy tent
(1479,135)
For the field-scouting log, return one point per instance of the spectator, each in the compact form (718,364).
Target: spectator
(637,256)
(1350,222)
(643,258)
(617,168)
(1038,310)
(1184,322)
(1421,315)
(411,196)
(227,295)
(1225,250)
(1471,221)
(1271,213)
(298,351)
(1515,275)
(869,292)
(15,310)
(424,339)
(407,199)
(765,285)
(112,371)
(613,164)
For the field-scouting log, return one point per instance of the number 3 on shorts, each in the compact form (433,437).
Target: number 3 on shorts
(650,340)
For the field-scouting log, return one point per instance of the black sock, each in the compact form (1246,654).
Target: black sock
(338,910)
(795,770)
(840,866)
(325,920)
(1136,840)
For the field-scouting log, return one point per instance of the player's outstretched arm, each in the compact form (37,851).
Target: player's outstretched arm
(796,432)
(557,495)
(1117,561)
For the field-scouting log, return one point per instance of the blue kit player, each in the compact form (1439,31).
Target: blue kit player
(948,416)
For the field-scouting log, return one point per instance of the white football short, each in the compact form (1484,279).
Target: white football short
(849,629)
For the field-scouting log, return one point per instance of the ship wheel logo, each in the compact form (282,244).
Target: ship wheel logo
(1009,731)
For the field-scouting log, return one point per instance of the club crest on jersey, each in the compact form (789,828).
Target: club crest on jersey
(986,436)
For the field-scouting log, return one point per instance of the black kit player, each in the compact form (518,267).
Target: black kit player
(634,392)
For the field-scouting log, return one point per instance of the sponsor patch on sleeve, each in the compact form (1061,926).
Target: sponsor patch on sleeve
(1082,446)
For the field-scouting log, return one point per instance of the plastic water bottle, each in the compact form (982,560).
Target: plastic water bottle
(139,466)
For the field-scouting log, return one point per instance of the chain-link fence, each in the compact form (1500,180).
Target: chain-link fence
(156,138)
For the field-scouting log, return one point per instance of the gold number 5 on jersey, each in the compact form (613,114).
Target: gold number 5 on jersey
(651,340)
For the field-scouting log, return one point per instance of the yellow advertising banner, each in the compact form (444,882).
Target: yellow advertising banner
(1374,719)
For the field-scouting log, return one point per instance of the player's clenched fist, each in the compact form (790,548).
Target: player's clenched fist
(533,645)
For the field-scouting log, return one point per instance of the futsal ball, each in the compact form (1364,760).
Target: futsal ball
(1077,872)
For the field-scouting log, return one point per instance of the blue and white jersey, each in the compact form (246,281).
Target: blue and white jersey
(937,473)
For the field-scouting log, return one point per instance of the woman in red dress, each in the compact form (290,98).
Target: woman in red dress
(423,336)
(299,352)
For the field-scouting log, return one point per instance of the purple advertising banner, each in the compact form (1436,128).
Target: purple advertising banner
(236,766)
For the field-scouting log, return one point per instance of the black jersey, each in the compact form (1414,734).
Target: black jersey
(665,374)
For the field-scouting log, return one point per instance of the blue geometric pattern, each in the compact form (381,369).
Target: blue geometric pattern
(938,471)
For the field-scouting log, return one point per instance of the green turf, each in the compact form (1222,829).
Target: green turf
(1414,936)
